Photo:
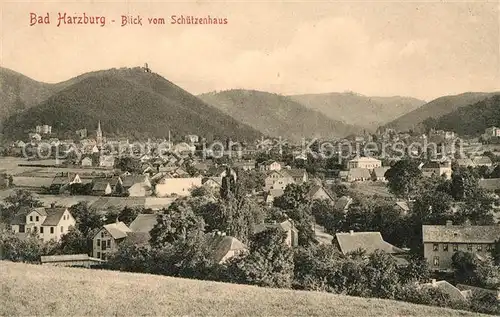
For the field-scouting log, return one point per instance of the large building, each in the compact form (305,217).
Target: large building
(491,132)
(442,241)
(437,168)
(364,162)
(48,223)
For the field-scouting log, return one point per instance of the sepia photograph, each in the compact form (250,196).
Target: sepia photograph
(250,158)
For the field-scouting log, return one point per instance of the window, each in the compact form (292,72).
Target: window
(52,230)
(21,228)
(469,247)
(445,247)
(436,261)
(108,243)
(489,247)
(455,247)
(31,218)
(98,242)
(435,247)
(35,229)
(37,219)
(41,229)
(102,234)
(98,255)
(479,247)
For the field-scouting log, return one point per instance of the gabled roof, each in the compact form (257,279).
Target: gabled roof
(286,225)
(343,202)
(117,230)
(143,223)
(460,234)
(490,184)
(54,215)
(102,184)
(482,160)
(358,173)
(314,189)
(221,245)
(368,241)
(296,172)
(129,181)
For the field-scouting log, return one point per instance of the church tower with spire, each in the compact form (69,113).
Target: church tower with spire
(98,136)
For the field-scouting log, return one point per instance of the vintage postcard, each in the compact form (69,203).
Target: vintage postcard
(249,158)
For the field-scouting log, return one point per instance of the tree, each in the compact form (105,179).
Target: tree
(463,184)
(127,215)
(417,270)
(327,216)
(178,222)
(27,249)
(464,266)
(87,219)
(313,265)
(129,164)
(73,242)
(269,263)
(478,208)
(293,197)
(382,275)
(403,178)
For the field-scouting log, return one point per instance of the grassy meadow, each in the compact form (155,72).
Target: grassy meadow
(29,290)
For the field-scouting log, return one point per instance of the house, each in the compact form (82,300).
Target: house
(490,184)
(465,162)
(402,207)
(359,175)
(351,241)
(378,174)
(245,165)
(167,186)
(320,193)
(107,161)
(482,161)
(212,182)
(491,132)
(222,247)
(277,180)
(270,166)
(86,161)
(108,239)
(442,241)
(60,182)
(49,223)
(479,290)
(143,223)
(437,168)
(287,226)
(453,292)
(103,186)
(70,260)
(136,185)
(299,176)
(343,203)
(364,162)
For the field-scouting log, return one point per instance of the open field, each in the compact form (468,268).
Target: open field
(29,290)
(371,189)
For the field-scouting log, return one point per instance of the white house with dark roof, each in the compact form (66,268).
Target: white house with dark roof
(49,223)
(437,168)
(442,241)
(108,238)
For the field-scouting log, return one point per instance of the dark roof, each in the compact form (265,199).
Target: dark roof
(54,216)
(314,189)
(101,184)
(296,172)
(129,181)
(343,202)
(368,241)
(143,223)
(460,234)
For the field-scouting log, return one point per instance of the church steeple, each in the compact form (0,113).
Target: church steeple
(99,134)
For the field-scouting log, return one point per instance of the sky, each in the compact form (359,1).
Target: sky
(421,49)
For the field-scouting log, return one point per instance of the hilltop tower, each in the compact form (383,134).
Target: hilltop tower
(98,136)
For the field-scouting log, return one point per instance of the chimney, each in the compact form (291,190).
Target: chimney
(351,232)
(52,205)
(449,223)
